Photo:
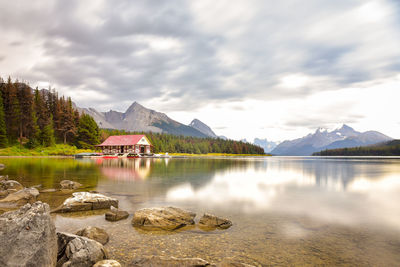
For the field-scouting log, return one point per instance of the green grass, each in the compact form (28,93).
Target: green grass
(57,150)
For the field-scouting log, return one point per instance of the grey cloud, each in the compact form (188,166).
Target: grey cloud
(315,121)
(110,57)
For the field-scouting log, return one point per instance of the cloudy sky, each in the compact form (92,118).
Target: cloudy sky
(251,68)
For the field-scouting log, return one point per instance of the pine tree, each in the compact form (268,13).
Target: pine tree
(47,135)
(3,131)
(88,132)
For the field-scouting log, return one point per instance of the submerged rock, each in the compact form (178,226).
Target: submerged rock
(78,251)
(94,233)
(166,218)
(152,261)
(107,263)
(28,237)
(81,201)
(67,184)
(3,193)
(11,184)
(232,263)
(212,221)
(19,198)
(115,214)
(49,190)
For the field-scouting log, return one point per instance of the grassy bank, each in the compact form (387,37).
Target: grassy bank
(68,150)
(57,150)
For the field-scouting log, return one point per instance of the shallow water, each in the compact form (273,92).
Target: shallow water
(286,211)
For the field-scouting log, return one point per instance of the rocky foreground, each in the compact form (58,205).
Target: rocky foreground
(28,238)
(28,235)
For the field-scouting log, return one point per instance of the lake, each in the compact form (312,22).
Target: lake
(285,210)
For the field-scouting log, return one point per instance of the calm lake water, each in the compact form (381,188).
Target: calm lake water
(286,211)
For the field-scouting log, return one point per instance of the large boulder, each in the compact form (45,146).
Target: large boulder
(11,185)
(67,184)
(107,263)
(166,218)
(115,214)
(19,198)
(212,221)
(28,237)
(95,233)
(81,201)
(78,251)
(153,261)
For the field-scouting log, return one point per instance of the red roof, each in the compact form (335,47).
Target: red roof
(122,140)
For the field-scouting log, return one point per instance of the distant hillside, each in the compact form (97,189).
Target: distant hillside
(139,118)
(391,148)
(323,139)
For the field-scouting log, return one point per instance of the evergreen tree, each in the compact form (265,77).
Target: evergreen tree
(88,132)
(47,135)
(3,130)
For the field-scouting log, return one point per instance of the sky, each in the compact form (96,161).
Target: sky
(247,68)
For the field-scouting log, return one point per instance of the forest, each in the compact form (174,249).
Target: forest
(391,148)
(186,144)
(40,118)
(33,118)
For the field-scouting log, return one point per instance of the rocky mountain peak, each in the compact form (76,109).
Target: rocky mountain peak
(134,107)
(140,118)
(346,130)
(202,127)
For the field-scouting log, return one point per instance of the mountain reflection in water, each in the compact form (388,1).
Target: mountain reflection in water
(290,211)
(350,191)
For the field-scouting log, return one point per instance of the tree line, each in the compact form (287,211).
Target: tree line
(40,118)
(391,148)
(32,118)
(163,142)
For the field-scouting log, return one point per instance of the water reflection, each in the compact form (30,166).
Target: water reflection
(345,191)
(124,169)
(329,189)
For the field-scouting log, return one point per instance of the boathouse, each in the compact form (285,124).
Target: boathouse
(138,144)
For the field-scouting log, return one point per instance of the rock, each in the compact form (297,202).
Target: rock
(67,184)
(3,193)
(11,184)
(166,218)
(22,197)
(49,190)
(232,263)
(212,221)
(78,251)
(2,166)
(81,201)
(28,237)
(107,263)
(3,177)
(94,233)
(115,215)
(152,261)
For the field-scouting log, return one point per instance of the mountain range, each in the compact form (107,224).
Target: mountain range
(268,146)
(323,139)
(138,118)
